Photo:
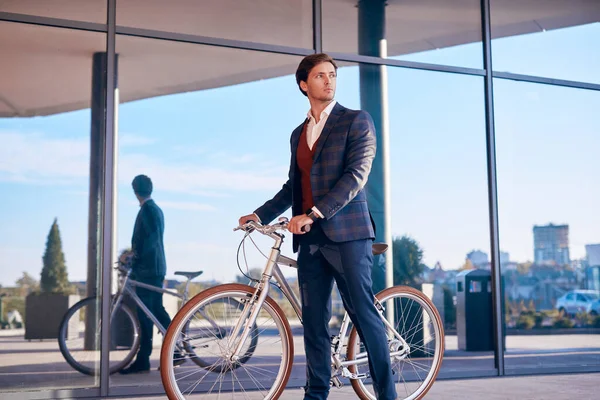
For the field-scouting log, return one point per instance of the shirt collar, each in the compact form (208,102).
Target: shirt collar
(324,113)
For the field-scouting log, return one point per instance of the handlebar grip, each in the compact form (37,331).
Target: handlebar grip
(305,228)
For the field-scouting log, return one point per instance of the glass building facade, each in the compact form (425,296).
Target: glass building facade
(487,121)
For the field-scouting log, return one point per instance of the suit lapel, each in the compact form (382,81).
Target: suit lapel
(336,112)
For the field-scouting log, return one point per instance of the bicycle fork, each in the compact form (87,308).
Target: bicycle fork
(254,304)
(247,319)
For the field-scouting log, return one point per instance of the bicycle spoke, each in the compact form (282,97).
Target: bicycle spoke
(264,359)
(416,322)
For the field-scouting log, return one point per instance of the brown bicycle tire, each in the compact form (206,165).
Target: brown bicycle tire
(358,389)
(166,366)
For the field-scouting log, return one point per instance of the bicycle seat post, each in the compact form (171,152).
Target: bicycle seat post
(185,289)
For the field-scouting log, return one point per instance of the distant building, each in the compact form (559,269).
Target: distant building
(592,254)
(509,266)
(478,258)
(551,244)
(592,278)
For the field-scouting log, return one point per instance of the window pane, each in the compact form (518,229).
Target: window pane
(549,38)
(287,23)
(216,147)
(433,31)
(547,141)
(439,202)
(46,147)
(78,10)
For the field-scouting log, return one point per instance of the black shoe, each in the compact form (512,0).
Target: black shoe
(136,368)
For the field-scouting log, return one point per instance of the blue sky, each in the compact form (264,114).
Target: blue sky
(209,165)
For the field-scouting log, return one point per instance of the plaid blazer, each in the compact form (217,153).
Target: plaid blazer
(341,166)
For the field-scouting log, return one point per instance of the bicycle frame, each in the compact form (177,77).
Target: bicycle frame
(127,286)
(252,308)
(361,358)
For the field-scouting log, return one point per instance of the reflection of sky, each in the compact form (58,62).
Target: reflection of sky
(208,167)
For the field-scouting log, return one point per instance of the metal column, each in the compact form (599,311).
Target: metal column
(497,298)
(108,205)
(374,99)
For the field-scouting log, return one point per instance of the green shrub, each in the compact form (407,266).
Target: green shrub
(563,322)
(525,321)
(539,318)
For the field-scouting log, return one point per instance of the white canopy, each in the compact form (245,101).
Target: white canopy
(48,70)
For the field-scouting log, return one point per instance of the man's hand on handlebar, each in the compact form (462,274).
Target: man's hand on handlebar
(298,224)
(249,217)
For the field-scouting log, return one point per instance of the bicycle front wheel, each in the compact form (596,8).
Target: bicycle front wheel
(203,329)
(79,336)
(204,335)
(416,366)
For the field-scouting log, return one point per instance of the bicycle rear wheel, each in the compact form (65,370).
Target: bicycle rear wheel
(79,337)
(418,322)
(264,366)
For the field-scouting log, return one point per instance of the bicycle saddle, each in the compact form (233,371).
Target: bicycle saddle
(379,248)
(189,275)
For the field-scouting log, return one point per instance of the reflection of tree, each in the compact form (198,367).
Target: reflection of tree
(468,265)
(523,268)
(26,284)
(54,273)
(407,261)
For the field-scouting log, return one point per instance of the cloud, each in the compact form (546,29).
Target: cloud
(41,159)
(532,95)
(134,140)
(38,159)
(187,206)
(190,150)
(197,179)
(239,159)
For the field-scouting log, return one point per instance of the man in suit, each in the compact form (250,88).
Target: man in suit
(331,156)
(149,266)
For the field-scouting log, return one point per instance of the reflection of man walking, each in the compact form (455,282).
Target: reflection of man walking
(332,153)
(149,266)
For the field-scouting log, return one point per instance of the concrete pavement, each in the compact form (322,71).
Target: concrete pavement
(38,365)
(533,387)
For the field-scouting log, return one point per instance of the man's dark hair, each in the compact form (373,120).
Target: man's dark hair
(142,186)
(308,63)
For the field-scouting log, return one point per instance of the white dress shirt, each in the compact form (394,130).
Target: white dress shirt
(314,128)
(313,132)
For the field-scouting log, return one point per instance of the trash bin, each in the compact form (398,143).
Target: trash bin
(474,317)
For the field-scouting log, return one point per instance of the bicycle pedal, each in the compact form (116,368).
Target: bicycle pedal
(335,381)
(358,376)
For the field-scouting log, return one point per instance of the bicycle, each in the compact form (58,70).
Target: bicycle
(81,347)
(415,338)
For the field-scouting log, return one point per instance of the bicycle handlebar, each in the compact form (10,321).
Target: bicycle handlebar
(268,229)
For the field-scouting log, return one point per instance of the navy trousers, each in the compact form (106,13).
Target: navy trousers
(154,302)
(320,261)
